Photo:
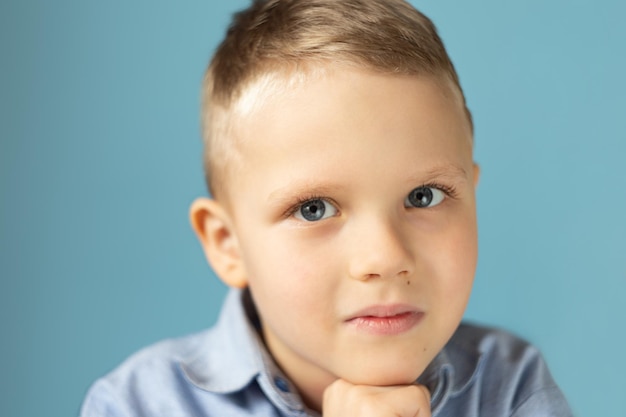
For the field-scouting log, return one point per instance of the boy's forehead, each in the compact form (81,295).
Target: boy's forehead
(290,105)
(283,82)
(271,84)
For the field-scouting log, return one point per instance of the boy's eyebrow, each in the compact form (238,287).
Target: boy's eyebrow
(294,190)
(451,172)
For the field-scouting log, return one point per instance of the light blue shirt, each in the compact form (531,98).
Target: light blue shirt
(227,372)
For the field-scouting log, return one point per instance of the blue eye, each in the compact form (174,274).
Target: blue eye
(422,197)
(314,210)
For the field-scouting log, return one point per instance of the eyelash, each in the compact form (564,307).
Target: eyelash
(449,191)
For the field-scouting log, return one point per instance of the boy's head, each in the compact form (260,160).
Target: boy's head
(340,158)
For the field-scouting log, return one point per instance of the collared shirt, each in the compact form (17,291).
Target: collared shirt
(226,371)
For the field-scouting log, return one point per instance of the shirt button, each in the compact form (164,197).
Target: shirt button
(281,384)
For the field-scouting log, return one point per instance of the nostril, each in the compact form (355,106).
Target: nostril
(370,276)
(402,274)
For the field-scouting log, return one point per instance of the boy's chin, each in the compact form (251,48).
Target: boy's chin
(390,375)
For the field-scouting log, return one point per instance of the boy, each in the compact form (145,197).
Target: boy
(339,158)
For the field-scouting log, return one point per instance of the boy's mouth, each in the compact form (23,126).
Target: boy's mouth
(386,320)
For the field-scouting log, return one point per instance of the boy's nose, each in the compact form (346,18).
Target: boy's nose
(380,250)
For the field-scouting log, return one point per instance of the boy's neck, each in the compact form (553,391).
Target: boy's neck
(310,381)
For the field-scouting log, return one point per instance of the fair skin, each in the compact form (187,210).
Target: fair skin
(353,223)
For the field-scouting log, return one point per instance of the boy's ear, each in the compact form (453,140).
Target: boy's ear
(476,174)
(218,239)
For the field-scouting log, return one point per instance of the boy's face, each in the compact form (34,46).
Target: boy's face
(353,214)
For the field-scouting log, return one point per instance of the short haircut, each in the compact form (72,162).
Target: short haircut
(287,37)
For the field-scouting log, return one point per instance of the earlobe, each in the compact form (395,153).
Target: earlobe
(476,174)
(217,237)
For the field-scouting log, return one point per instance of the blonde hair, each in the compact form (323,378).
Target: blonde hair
(274,38)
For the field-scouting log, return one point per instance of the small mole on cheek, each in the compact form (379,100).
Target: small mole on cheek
(408,282)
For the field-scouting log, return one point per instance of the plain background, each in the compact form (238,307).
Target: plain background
(100,158)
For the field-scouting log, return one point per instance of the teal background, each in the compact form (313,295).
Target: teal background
(100,157)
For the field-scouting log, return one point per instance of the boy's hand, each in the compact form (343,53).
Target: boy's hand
(342,399)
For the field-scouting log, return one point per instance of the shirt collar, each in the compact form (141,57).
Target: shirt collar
(232,355)
(454,369)
(227,358)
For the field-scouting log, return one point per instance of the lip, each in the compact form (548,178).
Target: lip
(386,320)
